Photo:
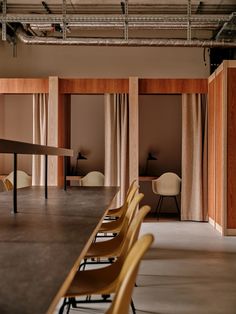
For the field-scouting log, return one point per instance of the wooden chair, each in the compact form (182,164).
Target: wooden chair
(8,184)
(3,187)
(116,225)
(127,276)
(112,248)
(117,212)
(103,281)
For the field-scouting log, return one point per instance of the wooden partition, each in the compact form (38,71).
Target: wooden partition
(23,85)
(61,89)
(221,153)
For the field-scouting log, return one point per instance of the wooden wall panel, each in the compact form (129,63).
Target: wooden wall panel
(231,149)
(93,86)
(211,151)
(23,85)
(173,86)
(64,130)
(219,149)
(53,127)
(133,130)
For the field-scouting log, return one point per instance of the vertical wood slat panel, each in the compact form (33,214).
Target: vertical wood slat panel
(64,124)
(219,149)
(231,149)
(211,151)
(53,128)
(133,129)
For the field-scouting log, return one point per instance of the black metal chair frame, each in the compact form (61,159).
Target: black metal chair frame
(160,202)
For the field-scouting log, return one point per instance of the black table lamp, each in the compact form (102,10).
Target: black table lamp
(79,157)
(149,157)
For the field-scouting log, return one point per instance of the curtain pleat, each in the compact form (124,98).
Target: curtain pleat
(40,122)
(194,158)
(116,143)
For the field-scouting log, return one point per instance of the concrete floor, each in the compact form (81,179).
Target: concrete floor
(190,269)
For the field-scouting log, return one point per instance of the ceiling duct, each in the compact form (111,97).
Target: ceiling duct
(132,42)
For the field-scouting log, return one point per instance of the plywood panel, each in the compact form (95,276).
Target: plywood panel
(23,85)
(53,129)
(173,86)
(133,129)
(219,149)
(231,149)
(211,151)
(64,123)
(93,86)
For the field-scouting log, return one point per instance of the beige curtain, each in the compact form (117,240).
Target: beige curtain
(194,158)
(40,123)
(116,143)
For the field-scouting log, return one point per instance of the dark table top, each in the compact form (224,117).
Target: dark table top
(42,245)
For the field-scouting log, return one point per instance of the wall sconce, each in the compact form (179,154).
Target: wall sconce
(80,156)
(149,157)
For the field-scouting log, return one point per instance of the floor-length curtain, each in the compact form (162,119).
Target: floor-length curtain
(194,158)
(116,143)
(40,123)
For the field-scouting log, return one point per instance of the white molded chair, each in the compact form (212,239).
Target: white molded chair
(93,178)
(23,179)
(167,185)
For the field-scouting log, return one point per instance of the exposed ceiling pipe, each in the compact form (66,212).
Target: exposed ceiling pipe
(189,28)
(118,25)
(134,42)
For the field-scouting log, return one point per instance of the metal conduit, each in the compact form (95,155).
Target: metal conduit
(134,42)
(151,25)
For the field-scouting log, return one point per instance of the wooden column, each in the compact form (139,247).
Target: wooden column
(211,150)
(58,129)
(53,128)
(133,129)
(221,150)
(64,130)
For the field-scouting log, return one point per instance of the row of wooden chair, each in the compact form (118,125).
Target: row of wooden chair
(124,250)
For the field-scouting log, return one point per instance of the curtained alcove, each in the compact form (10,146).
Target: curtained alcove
(60,91)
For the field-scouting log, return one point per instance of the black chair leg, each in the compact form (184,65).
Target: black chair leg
(156,210)
(133,307)
(176,202)
(61,310)
(159,211)
(68,308)
(73,303)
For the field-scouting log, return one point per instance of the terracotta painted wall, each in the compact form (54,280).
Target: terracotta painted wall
(160,121)
(87,131)
(17,112)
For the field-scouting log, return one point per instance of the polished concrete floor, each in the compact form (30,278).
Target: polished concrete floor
(190,269)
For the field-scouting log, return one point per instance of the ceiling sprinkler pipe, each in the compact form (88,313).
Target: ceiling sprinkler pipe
(132,42)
